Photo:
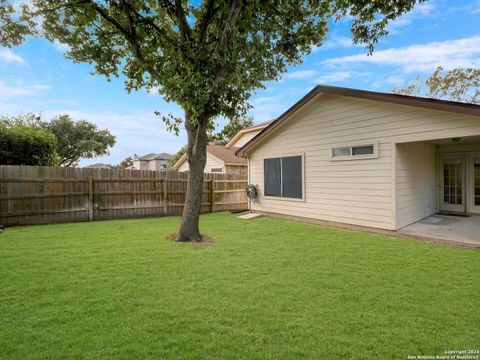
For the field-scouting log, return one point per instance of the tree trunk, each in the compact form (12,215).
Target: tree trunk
(196,157)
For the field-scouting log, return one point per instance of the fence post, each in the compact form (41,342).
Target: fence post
(165,195)
(212,183)
(90,198)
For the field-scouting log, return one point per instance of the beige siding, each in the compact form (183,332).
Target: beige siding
(246,137)
(212,162)
(360,192)
(183,167)
(416,179)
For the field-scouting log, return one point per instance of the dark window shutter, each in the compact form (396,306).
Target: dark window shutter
(292,177)
(272,177)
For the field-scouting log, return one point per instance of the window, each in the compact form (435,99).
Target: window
(368,151)
(283,177)
(217,170)
(341,151)
(362,150)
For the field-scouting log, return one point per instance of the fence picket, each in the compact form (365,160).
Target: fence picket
(42,195)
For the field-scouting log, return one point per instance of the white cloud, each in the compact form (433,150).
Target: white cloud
(301,74)
(472,9)
(60,46)
(475,9)
(390,81)
(136,132)
(270,107)
(421,10)
(421,57)
(7,55)
(333,77)
(9,91)
(335,42)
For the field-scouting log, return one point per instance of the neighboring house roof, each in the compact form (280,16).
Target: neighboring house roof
(239,134)
(154,156)
(227,155)
(99,166)
(433,104)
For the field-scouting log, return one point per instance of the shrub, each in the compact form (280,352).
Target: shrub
(26,145)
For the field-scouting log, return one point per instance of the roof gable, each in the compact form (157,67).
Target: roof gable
(432,104)
(241,133)
(222,153)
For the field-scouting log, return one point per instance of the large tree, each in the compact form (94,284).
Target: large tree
(74,139)
(22,144)
(459,84)
(78,139)
(207,56)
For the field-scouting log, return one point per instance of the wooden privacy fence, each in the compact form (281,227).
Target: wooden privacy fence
(42,195)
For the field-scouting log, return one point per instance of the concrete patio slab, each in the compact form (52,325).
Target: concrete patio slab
(250,216)
(459,229)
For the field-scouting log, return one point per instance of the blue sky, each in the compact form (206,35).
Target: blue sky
(36,78)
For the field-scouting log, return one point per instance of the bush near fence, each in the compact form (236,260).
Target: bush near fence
(44,195)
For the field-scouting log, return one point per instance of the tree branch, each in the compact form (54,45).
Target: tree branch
(206,21)
(149,22)
(130,36)
(225,39)
(183,25)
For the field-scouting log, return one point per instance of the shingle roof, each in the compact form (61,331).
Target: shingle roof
(225,154)
(154,156)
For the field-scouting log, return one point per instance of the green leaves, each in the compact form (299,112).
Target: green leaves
(460,84)
(21,144)
(78,139)
(209,57)
(60,142)
(229,130)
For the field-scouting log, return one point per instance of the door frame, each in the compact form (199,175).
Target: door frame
(471,207)
(463,208)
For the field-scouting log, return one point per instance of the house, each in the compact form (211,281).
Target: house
(367,158)
(151,161)
(245,135)
(99,166)
(222,159)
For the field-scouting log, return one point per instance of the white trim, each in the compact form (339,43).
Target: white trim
(393,180)
(302,199)
(475,209)
(239,134)
(351,145)
(180,161)
(460,208)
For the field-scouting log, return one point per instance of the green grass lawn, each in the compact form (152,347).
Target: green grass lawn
(264,289)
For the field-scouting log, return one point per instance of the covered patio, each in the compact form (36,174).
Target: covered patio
(456,229)
(438,189)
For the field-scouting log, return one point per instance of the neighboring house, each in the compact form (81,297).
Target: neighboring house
(222,159)
(245,135)
(367,158)
(99,166)
(151,161)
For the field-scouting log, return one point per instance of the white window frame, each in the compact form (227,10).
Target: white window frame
(281,198)
(352,145)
